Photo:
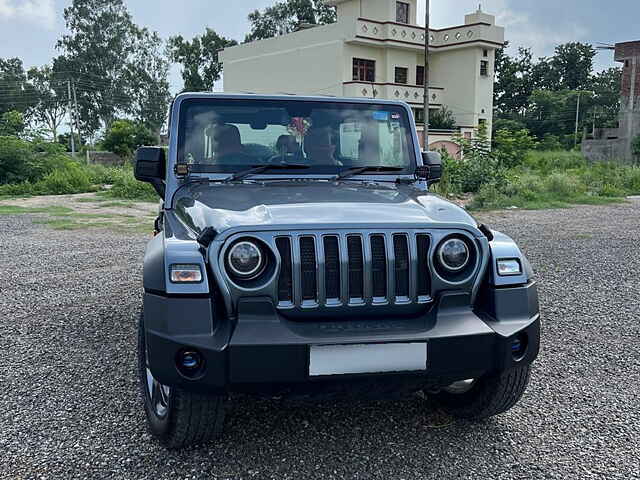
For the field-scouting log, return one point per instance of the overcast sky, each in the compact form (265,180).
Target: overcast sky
(29,28)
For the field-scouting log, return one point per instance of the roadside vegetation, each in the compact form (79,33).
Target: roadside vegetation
(514,174)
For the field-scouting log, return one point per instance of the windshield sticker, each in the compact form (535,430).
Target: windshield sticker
(381,116)
(395,116)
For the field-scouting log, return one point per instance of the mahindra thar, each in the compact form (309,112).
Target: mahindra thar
(299,252)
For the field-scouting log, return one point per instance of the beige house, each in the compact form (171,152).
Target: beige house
(376,50)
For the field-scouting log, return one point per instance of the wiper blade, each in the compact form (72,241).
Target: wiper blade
(349,172)
(254,170)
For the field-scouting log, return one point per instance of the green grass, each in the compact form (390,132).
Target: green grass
(52,210)
(559,180)
(72,223)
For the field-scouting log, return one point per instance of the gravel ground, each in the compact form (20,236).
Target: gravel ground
(70,405)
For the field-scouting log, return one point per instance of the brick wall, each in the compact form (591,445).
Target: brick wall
(629,53)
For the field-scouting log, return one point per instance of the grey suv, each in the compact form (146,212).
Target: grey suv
(299,252)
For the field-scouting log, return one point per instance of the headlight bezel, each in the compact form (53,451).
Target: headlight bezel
(464,274)
(441,255)
(238,274)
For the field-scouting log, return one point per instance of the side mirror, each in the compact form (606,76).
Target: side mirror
(431,169)
(150,166)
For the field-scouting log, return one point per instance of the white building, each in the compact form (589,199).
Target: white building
(376,50)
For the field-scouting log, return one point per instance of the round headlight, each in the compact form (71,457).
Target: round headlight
(245,260)
(454,254)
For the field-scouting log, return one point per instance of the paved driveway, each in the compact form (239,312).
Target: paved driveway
(69,405)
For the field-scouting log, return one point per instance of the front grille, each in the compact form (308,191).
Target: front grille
(353,268)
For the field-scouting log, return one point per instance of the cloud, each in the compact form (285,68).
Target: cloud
(521,30)
(524,27)
(41,12)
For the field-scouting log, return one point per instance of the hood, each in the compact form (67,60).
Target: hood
(304,203)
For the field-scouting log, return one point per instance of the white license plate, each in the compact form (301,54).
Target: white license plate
(367,358)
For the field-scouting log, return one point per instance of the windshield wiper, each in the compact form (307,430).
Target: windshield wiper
(349,172)
(263,168)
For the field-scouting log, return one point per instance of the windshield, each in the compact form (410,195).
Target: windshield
(230,135)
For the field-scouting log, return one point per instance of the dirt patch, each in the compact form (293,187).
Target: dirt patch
(84,210)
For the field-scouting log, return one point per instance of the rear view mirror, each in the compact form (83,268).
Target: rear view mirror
(150,166)
(431,169)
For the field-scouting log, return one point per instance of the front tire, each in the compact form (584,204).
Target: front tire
(177,418)
(488,396)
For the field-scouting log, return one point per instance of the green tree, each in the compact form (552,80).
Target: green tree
(285,16)
(606,104)
(146,78)
(15,92)
(123,137)
(442,119)
(572,65)
(96,51)
(51,94)
(12,124)
(201,66)
(513,85)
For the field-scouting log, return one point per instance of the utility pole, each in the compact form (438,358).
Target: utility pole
(77,117)
(575,135)
(425,132)
(73,141)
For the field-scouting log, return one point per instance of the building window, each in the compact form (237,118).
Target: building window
(626,63)
(484,68)
(364,70)
(418,114)
(419,75)
(402,75)
(485,53)
(402,12)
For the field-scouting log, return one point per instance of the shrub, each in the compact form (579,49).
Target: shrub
(563,185)
(545,162)
(126,186)
(442,119)
(511,147)
(101,175)
(125,136)
(549,143)
(635,146)
(16,157)
(70,179)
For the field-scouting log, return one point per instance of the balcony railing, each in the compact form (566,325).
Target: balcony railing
(412,37)
(412,94)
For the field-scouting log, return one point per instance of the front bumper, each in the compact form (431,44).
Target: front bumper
(263,352)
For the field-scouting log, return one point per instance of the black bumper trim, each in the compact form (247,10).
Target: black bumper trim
(263,349)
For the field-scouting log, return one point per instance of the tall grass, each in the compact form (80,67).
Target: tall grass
(556,179)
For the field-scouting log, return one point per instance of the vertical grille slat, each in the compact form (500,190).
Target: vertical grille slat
(378,266)
(356,267)
(285,281)
(308,268)
(401,251)
(424,276)
(332,267)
